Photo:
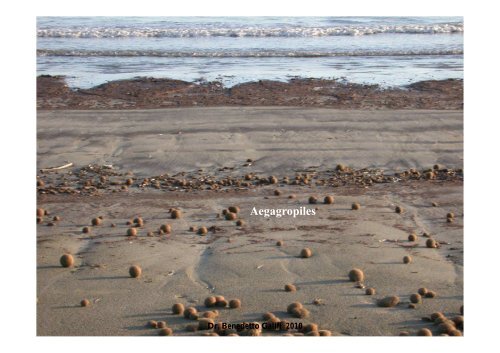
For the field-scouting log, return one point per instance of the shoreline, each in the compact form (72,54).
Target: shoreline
(154,93)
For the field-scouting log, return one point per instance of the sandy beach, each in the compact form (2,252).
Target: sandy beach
(204,160)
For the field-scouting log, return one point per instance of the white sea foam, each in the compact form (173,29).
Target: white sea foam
(287,31)
(243,53)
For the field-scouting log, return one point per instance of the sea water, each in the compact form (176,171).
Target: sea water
(389,51)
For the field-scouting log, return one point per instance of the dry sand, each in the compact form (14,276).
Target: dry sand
(244,262)
(150,142)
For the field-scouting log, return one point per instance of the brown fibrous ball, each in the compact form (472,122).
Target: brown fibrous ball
(407,259)
(325,332)
(305,253)
(268,315)
(176,214)
(235,303)
(240,223)
(152,324)
(431,243)
(422,291)
(293,306)
(203,324)
(388,302)
(202,231)
(86,230)
(356,275)
(178,308)
(166,331)
(277,192)
(40,212)
(210,301)
(355,206)
(446,327)
(430,294)
(416,298)
(290,288)
(412,237)
(313,200)
(310,327)
(399,209)
(161,324)
(190,311)
(370,291)
(222,303)
(424,332)
(96,221)
(436,315)
(300,313)
(233,209)
(279,243)
(166,228)
(450,215)
(135,271)
(328,200)
(85,302)
(230,216)
(209,315)
(131,232)
(67,260)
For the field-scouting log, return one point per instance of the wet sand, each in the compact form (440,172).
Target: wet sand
(244,262)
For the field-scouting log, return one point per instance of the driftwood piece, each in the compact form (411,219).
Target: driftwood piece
(57,168)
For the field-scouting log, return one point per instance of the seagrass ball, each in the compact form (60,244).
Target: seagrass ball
(178,308)
(293,306)
(388,302)
(96,221)
(431,243)
(135,271)
(328,200)
(356,275)
(166,331)
(210,301)
(416,298)
(235,303)
(176,214)
(166,228)
(306,253)
(67,260)
(424,332)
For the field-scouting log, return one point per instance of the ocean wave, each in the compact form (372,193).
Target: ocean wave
(243,53)
(289,31)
